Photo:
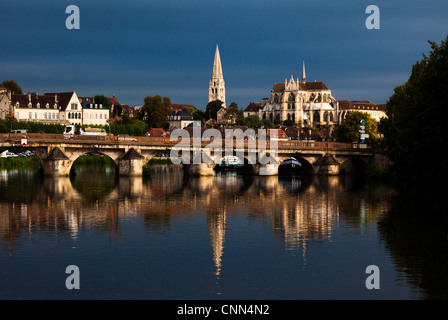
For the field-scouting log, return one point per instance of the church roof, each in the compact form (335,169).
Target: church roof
(305,86)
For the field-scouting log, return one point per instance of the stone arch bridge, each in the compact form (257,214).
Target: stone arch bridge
(58,153)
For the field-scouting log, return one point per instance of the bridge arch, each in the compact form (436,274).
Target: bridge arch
(354,165)
(306,166)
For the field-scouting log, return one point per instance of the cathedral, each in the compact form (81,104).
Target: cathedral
(303,102)
(217,90)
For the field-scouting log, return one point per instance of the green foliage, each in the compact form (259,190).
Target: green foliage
(268,124)
(234,113)
(212,108)
(156,109)
(12,86)
(102,99)
(252,121)
(198,115)
(348,129)
(32,127)
(132,127)
(29,163)
(414,132)
(288,122)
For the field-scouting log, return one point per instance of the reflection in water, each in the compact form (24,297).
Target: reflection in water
(298,212)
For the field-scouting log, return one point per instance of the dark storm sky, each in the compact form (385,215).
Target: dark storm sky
(135,49)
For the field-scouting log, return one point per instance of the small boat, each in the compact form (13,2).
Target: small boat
(229,163)
(290,165)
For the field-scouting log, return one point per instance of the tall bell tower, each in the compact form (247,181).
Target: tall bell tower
(216,88)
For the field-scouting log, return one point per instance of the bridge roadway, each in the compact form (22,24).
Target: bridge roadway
(58,152)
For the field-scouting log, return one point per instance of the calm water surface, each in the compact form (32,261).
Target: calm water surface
(221,237)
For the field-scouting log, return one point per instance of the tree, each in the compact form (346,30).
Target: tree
(252,121)
(116,110)
(348,129)
(156,109)
(212,108)
(12,86)
(102,99)
(233,113)
(198,115)
(414,131)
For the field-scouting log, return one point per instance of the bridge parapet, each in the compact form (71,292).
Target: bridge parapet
(144,148)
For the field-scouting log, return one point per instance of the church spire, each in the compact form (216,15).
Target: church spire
(216,89)
(217,68)
(303,72)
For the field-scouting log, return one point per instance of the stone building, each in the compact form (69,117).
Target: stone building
(47,108)
(303,102)
(5,98)
(376,111)
(61,107)
(93,113)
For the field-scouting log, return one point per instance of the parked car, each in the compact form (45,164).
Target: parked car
(19,131)
(125,137)
(8,154)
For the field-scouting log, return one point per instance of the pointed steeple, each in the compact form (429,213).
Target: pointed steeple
(217,90)
(303,72)
(217,68)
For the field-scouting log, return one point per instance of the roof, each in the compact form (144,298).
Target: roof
(253,107)
(132,154)
(177,112)
(183,107)
(277,133)
(327,160)
(305,86)
(156,132)
(113,100)
(61,99)
(57,154)
(361,105)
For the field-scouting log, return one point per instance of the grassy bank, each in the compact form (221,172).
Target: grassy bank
(28,163)
(94,161)
(155,162)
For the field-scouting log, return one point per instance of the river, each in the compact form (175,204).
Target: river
(228,236)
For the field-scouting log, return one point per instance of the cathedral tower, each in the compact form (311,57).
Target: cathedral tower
(216,89)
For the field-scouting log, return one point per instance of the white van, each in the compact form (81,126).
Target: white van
(19,131)
(69,130)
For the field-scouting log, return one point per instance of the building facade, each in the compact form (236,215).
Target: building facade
(376,111)
(179,119)
(93,113)
(47,108)
(217,89)
(5,102)
(62,108)
(302,102)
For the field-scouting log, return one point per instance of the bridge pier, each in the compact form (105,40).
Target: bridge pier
(200,169)
(57,163)
(270,169)
(131,164)
(327,165)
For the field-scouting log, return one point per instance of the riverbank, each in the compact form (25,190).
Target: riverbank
(28,163)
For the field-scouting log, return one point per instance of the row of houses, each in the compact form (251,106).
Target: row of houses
(57,107)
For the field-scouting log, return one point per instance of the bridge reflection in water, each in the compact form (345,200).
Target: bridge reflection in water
(299,212)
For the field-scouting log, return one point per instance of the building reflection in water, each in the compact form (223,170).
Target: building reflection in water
(299,211)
